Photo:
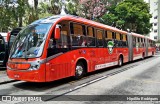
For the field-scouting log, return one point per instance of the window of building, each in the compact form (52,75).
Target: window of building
(155,31)
(155,17)
(155,24)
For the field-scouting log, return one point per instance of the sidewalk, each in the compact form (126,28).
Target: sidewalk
(3,76)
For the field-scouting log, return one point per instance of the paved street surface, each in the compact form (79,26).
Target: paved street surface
(141,77)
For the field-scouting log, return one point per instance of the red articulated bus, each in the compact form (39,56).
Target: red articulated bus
(62,46)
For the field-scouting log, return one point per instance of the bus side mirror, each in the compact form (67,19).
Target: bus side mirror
(57,32)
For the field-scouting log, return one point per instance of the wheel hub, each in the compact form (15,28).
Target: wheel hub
(79,70)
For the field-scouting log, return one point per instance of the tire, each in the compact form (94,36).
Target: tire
(142,56)
(120,61)
(152,53)
(79,70)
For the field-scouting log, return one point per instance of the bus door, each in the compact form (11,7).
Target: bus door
(59,64)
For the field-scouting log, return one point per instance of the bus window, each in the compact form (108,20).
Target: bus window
(118,41)
(78,37)
(63,42)
(77,29)
(91,37)
(124,40)
(99,37)
(118,36)
(134,41)
(149,43)
(142,42)
(108,37)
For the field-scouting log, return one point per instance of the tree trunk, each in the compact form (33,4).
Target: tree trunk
(20,22)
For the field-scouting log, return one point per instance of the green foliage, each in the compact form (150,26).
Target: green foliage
(11,15)
(158,41)
(72,7)
(130,14)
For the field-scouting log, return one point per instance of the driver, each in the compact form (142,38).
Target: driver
(35,37)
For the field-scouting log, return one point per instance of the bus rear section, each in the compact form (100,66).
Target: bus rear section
(140,46)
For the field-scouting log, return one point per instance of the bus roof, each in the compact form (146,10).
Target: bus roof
(137,35)
(142,36)
(53,19)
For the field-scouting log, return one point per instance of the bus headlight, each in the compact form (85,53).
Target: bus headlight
(35,66)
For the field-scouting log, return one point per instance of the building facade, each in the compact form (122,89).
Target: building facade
(155,20)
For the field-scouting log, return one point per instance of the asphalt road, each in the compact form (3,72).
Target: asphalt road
(141,77)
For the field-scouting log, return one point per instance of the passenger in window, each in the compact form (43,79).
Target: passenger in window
(84,43)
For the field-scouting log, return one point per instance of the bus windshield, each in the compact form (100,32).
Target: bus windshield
(30,41)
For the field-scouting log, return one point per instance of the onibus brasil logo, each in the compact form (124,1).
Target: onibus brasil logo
(110,46)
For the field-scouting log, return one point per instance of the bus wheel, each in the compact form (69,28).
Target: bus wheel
(143,56)
(120,61)
(80,71)
(152,53)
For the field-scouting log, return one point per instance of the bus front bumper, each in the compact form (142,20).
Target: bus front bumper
(29,76)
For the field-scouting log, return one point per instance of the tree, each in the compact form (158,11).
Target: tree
(20,11)
(43,10)
(55,7)
(93,8)
(72,7)
(6,21)
(12,14)
(130,14)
